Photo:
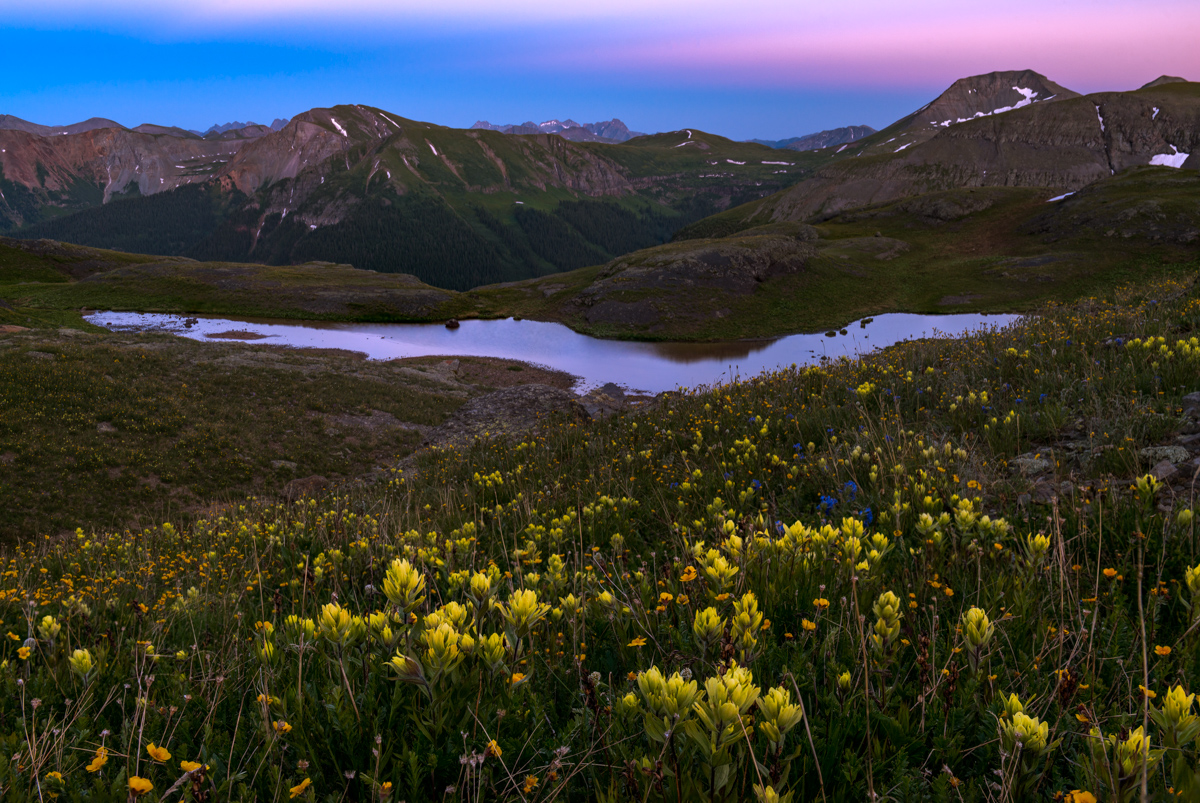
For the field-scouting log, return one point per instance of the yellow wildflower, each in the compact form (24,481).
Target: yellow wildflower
(139,786)
(99,760)
(158,753)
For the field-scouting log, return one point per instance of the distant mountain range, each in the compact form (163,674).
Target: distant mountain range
(822,139)
(226,131)
(608,131)
(463,207)
(277,124)
(360,185)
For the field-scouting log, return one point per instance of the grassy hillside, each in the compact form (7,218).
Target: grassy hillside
(45,278)
(937,573)
(986,249)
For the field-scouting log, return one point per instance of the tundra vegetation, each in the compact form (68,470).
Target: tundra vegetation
(825,583)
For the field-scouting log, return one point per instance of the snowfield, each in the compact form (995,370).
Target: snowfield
(1174,159)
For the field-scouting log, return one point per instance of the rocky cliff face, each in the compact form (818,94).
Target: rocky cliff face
(1066,144)
(78,170)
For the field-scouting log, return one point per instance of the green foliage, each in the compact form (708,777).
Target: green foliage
(169,223)
(556,241)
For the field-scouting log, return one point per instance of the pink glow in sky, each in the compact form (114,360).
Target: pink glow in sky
(1090,44)
(1118,50)
(742,67)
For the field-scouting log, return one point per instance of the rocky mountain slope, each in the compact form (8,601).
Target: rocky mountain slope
(360,185)
(1066,143)
(8,122)
(822,139)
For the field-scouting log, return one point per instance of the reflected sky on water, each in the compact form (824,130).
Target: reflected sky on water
(651,367)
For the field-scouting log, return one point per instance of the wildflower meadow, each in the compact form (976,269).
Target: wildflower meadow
(942,572)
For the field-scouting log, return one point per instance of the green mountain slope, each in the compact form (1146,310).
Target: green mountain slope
(960,250)
(457,208)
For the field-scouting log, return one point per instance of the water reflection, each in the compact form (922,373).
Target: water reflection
(652,367)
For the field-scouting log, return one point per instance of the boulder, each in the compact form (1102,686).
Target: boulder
(305,488)
(1029,464)
(1164,471)
(1158,454)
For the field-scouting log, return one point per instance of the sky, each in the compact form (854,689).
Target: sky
(753,68)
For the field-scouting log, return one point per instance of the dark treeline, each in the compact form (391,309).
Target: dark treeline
(169,223)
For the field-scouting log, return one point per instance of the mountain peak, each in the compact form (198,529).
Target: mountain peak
(1165,79)
(221,128)
(988,94)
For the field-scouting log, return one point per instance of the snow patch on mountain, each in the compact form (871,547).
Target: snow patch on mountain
(1173,159)
(1030,96)
(338,126)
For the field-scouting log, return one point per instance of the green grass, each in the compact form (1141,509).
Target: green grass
(192,424)
(501,621)
(312,291)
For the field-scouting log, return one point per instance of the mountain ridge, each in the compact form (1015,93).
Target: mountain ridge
(357,184)
(822,139)
(607,131)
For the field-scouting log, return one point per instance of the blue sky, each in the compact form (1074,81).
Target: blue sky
(763,69)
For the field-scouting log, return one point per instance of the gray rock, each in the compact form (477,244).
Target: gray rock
(105,427)
(39,355)
(284,464)
(605,401)
(1157,454)
(1164,471)
(1029,464)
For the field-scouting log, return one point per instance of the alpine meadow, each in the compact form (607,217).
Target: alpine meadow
(316,486)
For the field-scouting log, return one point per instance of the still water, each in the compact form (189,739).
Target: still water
(649,367)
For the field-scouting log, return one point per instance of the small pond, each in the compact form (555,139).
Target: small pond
(649,367)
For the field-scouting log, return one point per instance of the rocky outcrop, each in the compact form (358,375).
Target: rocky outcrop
(642,288)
